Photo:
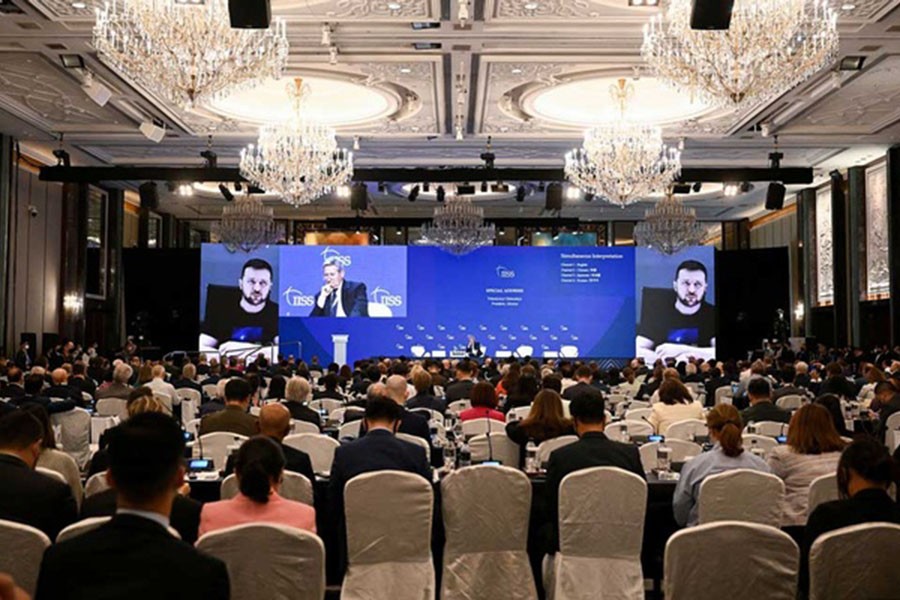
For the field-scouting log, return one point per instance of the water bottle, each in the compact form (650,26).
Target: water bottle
(531,465)
(449,455)
(195,450)
(465,456)
(663,458)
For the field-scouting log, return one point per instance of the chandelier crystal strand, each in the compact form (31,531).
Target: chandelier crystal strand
(623,161)
(187,52)
(247,224)
(669,227)
(458,227)
(300,159)
(771,46)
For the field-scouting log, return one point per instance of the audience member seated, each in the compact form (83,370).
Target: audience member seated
(525,390)
(510,378)
(60,388)
(259,468)
(331,391)
(184,518)
(836,383)
(410,423)
(761,408)
(296,395)
(545,421)
(118,387)
(593,449)
(27,496)
(832,403)
(725,429)
(140,401)
(159,384)
(276,388)
(675,404)
(135,555)
(631,386)
(463,382)
(552,382)
(53,459)
(421,380)
(791,386)
(865,472)
(188,377)
(872,376)
(888,402)
(15,386)
(34,385)
(275,423)
(813,449)
(80,382)
(583,378)
(234,418)
(484,404)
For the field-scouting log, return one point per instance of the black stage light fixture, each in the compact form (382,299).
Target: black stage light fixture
(775,196)
(422,25)
(520,193)
(427,45)
(500,188)
(250,14)
(711,15)
(382,188)
(210,158)
(852,63)
(697,187)
(359,196)
(413,193)
(171,186)
(238,186)
(681,188)
(484,187)
(441,193)
(149,195)
(72,61)
(746,187)
(62,158)
(588,197)
(554,200)
(465,189)
(426,187)
(226,193)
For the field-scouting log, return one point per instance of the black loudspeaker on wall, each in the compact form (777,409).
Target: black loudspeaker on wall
(711,14)
(149,195)
(359,197)
(48,341)
(775,196)
(554,200)
(250,14)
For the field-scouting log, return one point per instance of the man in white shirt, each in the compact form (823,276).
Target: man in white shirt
(159,385)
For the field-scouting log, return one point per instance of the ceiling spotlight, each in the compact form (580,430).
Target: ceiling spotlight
(441,193)
(399,231)
(185,190)
(332,55)
(356,142)
(426,187)
(72,61)
(697,187)
(484,187)
(154,130)
(62,158)
(413,193)
(95,89)
(342,191)
(326,34)
(847,7)
(226,193)
(572,193)
(520,193)
(852,63)
(588,197)
(731,189)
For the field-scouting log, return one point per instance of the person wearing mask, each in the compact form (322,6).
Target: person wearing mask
(675,404)
(235,418)
(725,430)
(484,404)
(545,421)
(259,468)
(813,449)
(761,408)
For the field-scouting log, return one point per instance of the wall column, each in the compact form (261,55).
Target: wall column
(74,261)
(7,170)
(856,251)
(806,219)
(893,203)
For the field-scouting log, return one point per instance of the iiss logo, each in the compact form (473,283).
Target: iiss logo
(329,254)
(382,296)
(504,273)
(297,299)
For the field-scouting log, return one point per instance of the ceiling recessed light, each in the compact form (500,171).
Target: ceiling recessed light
(516,71)
(393,6)
(531,6)
(72,61)
(848,7)
(79,5)
(405,70)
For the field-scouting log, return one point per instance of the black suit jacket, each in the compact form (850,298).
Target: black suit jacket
(838,385)
(354,299)
(459,390)
(712,385)
(301,412)
(51,406)
(65,391)
(581,389)
(29,497)
(130,557)
(186,383)
(427,401)
(765,411)
(296,461)
(185,515)
(410,423)
(83,384)
(594,449)
(13,390)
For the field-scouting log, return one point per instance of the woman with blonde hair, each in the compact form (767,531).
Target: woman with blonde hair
(675,404)
(546,420)
(725,430)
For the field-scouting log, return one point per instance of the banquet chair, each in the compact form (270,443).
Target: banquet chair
(488,560)
(417,441)
(501,448)
(567,412)
(681,452)
(190,403)
(753,440)
(601,530)
(855,562)
(480,426)
(546,448)
(822,489)
(458,406)
(616,431)
(718,560)
(328,404)
(790,402)
(892,431)
(99,425)
(299,426)
(112,407)
(269,561)
(319,447)
(723,395)
(22,552)
(210,389)
(638,414)
(687,429)
(165,400)
(193,427)
(217,446)
(431,415)
(770,428)
(82,526)
(388,558)
(95,484)
(518,413)
(741,495)
(340,415)
(56,475)
(350,430)
(75,434)
(294,486)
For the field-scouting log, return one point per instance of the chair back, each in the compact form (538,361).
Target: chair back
(546,448)
(478,426)
(301,426)
(705,562)
(723,395)
(501,448)
(791,402)
(417,441)
(518,413)
(294,486)
(486,561)
(350,430)
(75,434)
(638,414)
(681,452)
(340,414)
(754,440)
(23,550)
(638,404)
(616,398)
(112,407)
(216,446)
(190,404)
(193,427)
(319,447)
(457,406)
(771,428)
(431,415)
(892,431)
(164,399)
(82,526)
(99,425)
(95,484)
(328,404)
(381,554)
(687,429)
(269,561)
(741,495)
(855,562)
(823,489)
(210,389)
(621,430)
(52,474)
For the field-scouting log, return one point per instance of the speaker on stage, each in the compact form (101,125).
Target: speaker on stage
(149,195)
(359,196)
(554,201)
(711,15)
(250,14)
(775,196)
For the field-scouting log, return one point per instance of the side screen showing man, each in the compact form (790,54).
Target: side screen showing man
(251,321)
(340,297)
(683,328)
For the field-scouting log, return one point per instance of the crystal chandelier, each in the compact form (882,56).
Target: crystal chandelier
(458,227)
(623,161)
(299,159)
(187,51)
(669,227)
(771,46)
(247,224)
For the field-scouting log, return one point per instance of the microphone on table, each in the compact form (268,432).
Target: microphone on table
(490,445)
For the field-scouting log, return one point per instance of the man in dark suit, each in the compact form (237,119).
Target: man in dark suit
(836,383)
(410,423)
(473,348)
(80,382)
(340,297)
(15,379)
(184,518)
(234,418)
(462,384)
(583,376)
(330,382)
(759,391)
(275,423)
(716,381)
(593,449)
(34,385)
(60,387)
(23,357)
(135,554)
(27,496)
(188,373)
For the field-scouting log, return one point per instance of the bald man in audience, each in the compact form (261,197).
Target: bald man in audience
(159,385)
(60,388)
(275,423)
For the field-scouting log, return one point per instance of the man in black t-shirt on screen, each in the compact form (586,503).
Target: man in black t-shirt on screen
(684,328)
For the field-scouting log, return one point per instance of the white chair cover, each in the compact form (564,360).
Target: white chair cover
(567,412)
(414,439)
(210,389)
(822,489)
(75,434)
(340,415)
(790,402)
(216,446)
(431,415)
(458,406)
(486,512)
(254,410)
(638,404)
(56,475)
(269,561)
(83,526)
(87,397)
(636,414)
(687,429)
(112,407)
(771,428)
(753,440)
(616,431)
(546,448)
(733,560)
(722,393)
(299,426)
(329,404)
(319,447)
(479,426)
(95,484)
(892,432)
(101,424)
(193,427)
(501,449)
(681,451)
(350,430)
(164,399)
(21,552)
(616,398)
(741,495)
(855,562)
(389,558)
(518,413)
(601,530)
(190,404)
(294,487)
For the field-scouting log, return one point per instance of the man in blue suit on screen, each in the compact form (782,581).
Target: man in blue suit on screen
(340,297)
